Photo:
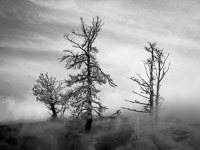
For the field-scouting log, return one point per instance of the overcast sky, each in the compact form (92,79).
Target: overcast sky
(31,41)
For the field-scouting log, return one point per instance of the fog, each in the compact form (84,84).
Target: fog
(32,41)
(22,111)
(125,132)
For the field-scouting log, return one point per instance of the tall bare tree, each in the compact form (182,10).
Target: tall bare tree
(49,91)
(149,72)
(161,68)
(156,69)
(146,85)
(84,97)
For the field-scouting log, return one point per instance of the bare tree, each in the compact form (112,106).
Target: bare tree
(150,64)
(160,71)
(49,91)
(146,85)
(156,69)
(84,97)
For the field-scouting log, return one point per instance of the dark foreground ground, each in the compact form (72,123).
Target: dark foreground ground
(106,134)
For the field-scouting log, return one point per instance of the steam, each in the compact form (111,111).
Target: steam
(12,110)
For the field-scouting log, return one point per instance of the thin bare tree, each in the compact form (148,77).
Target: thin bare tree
(83,94)
(156,69)
(146,85)
(161,68)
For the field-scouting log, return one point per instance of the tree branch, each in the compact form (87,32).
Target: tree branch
(140,95)
(137,102)
(134,110)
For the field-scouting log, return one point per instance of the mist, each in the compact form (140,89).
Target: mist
(32,42)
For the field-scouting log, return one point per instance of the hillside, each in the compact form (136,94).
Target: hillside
(106,134)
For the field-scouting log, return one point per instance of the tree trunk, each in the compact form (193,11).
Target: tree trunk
(151,85)
(88,124)
(156,102)
(157,92)
(54,113)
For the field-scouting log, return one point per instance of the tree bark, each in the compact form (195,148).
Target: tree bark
(88,124)
(157,92)
(156,103)
(54,113)
(151,101)
(157,99)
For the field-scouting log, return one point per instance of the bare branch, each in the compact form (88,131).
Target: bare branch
(164,61)
(66,36)
(140,95)
(164,72)
(137,102)
(134,110)
(146,71)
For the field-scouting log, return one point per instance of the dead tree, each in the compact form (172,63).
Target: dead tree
(146,85)
(160,71)
(156,69)
(84,99)
(49,91)
(150,74)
